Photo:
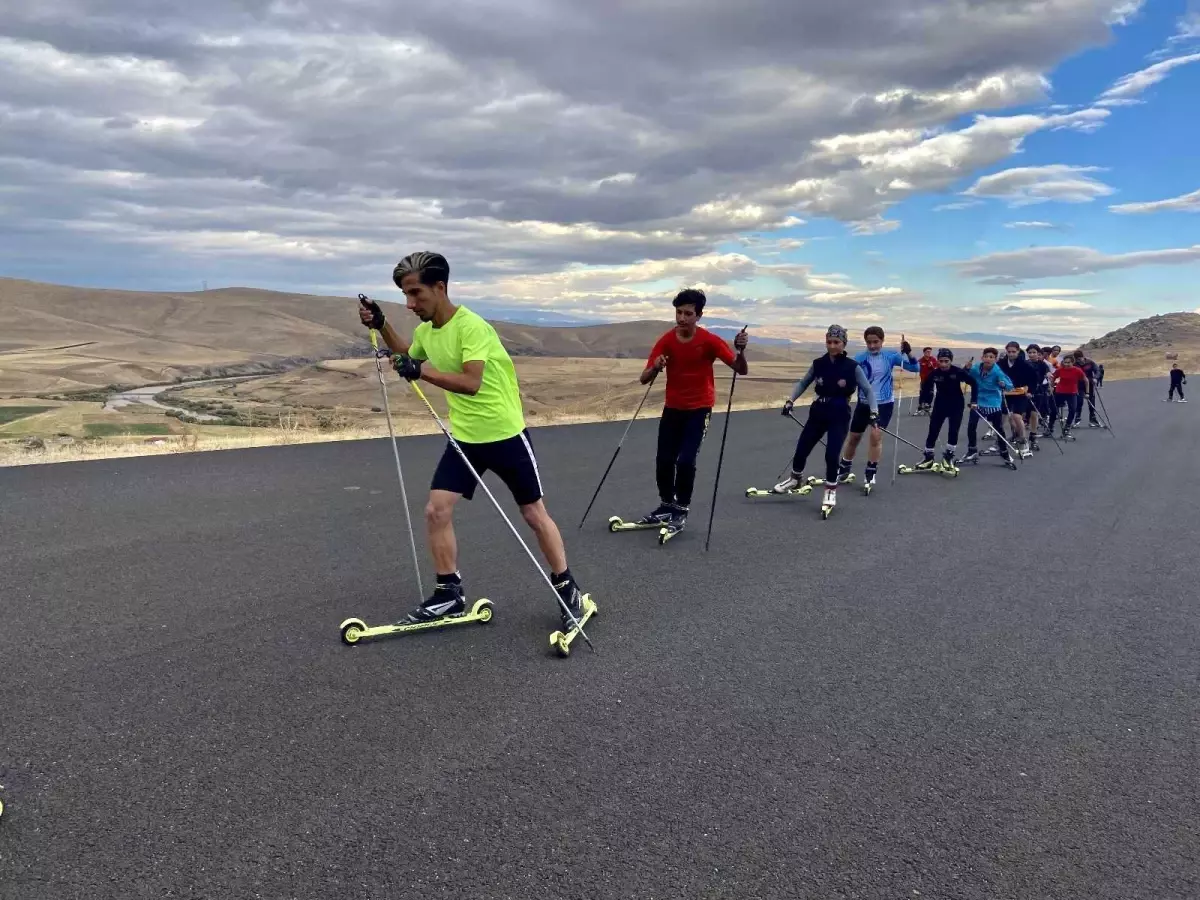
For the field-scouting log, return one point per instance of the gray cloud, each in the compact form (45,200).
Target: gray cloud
(1183,203)
(1055,262)
(1038,184)
(306,144)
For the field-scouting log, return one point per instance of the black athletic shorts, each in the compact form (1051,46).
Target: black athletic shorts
(1018,405)
(862,416)
(511,459)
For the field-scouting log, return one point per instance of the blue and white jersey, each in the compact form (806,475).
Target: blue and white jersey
(878,367)
(992,385)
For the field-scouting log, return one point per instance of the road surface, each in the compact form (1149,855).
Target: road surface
(983,688)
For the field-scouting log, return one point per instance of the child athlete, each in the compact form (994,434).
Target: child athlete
(878,364)
(1068,384)
(688,353)
(992,385)
(948,404)
(836,378)
(928,363)
(1041,407)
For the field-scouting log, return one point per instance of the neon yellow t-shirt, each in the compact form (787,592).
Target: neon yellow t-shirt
(492,414)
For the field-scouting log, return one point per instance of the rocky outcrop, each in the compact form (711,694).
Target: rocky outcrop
(1170,330)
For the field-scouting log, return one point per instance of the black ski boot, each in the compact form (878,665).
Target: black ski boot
(447,600)
(660,516)
(568,592)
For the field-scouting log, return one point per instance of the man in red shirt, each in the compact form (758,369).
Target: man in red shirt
(687,352)
(1068,379)
(928,363)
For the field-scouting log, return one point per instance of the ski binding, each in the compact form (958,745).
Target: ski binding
(355,630)
(562,641)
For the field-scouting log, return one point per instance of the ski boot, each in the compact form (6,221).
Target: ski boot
(869,481)
(580,606)
(993,450)
(828,502)
(1066,434)
(447,600)
(972,457)
(925,465)
(794,485)
(1033,443)
(947,466)
(673,525)
(656,519)
(1009,463)
(1025,450)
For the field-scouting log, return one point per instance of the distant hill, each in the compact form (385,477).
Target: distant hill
(57,338)
(1174,330)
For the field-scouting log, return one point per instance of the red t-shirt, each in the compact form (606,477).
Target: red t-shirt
(690,367)
(927,366)
(1067,379)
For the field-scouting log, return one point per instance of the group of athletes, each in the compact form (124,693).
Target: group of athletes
(1029,390)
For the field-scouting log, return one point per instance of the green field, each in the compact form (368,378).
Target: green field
(12,413)
(104,429)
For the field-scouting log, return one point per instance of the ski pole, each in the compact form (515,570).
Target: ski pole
(820,441)
(1008,421)
(1050,434)
(896,445)
(1107,417)
(1004,440)
(446,431)
(618,450)
(902,440)
(724,434)
(412,537)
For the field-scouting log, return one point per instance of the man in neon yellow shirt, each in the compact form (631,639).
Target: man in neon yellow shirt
(458,351)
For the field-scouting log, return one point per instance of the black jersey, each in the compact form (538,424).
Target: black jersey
(948,383)
(835,378)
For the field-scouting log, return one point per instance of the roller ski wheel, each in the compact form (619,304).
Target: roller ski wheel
(354,631)
(828,504)
(560,641)
(1009,464)
(827,511)
(868,487)
(970,458)
(802,491)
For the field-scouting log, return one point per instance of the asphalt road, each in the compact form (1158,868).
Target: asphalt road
(981,688)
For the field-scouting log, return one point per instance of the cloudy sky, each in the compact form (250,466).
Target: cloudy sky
(1024,167)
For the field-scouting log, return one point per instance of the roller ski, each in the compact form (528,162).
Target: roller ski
(792,486)
(944,466)
(672,527)
(848,478)
(972,458)
(828,502)
(445,608)
(583,608)
(652,521)
(1067,436)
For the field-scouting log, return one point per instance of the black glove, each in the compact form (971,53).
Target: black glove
(407,367)
(906,348)
(787,408)
(376,319)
